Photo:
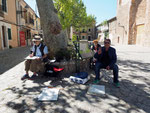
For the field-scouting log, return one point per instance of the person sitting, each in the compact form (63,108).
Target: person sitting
(37,65)
(106,58)
(96,46)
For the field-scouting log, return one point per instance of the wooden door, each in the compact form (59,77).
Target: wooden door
(4,36)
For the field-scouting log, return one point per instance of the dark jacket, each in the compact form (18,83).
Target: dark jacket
(111,53)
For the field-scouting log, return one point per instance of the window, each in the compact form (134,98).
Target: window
(21,9)
(9,34)
(89,30)
(83,37)
(89,38)
(4,5)
(83,30)
(36,25)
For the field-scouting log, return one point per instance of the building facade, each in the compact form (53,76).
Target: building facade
(102,31)
(8,25)
(112,25)
(28,23)
(85,33)
(18,24)
(133,22)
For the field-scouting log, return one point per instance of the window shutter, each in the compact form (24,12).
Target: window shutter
(4,6)
(9,34)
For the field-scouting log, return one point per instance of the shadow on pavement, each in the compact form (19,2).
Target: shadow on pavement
(129,98)
(11,57)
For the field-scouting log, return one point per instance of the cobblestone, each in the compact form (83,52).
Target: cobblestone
(132,97)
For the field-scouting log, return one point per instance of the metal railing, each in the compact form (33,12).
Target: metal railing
(31,21)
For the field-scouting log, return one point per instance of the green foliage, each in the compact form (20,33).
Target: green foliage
(73,13)
(65,54)
(91,19)
(74,38)
(106,34)
(87,50)
(104,22)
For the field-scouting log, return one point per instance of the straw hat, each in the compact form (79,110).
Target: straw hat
(37,38)
(95,41)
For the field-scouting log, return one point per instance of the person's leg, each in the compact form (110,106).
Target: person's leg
(33,66)
(40,66)
(37,66)
(98,66)
(115,73)
(27,66)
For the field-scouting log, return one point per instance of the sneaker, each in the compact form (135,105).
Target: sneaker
(117,85)
(26,76)
(96,81)
(34,76)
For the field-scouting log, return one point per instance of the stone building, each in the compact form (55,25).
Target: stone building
(112,30)
(133,22)
(107,30)
(28,23)
(102,30)
(8,25)
(85,33)
(18,24)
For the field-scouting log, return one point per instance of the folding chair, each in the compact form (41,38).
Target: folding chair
(106,75)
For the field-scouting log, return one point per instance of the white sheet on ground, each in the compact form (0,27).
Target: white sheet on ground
(49,94)
(96,89)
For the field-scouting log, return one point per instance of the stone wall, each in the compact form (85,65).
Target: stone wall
(141,13)
(112,32)
(123,10)
(147,25)
(70,66)
(133,22)
(14,41)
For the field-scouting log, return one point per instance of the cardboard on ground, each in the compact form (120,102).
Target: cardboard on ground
(97,89)
(49,94)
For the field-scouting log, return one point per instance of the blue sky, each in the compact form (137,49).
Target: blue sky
(102,9)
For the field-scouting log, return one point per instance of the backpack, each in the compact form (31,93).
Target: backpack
(52,70)
(42,51)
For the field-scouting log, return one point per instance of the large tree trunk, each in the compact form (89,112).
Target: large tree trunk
(54,37)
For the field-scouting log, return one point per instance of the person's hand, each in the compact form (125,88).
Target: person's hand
(108,67)
(99,51)
(31,55)
(94,59)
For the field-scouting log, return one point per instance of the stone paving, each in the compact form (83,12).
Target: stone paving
(133,96)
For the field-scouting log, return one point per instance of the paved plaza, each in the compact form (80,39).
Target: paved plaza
(133,96)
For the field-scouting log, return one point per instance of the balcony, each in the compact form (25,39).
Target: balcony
(1,12)
(31,21)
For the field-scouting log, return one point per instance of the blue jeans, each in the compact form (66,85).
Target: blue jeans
(99,66)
